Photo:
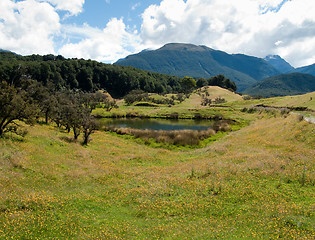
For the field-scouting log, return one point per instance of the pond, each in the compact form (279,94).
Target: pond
(159,124)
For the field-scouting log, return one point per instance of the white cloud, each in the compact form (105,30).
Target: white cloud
(107,45)
(74,7)
(28,27)
(135,6)
(255,27)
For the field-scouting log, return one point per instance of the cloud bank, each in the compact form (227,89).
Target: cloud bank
(106,45)
(28,27)
(254,27)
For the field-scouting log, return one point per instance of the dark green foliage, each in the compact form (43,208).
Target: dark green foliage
(143,99)
(188,84)
(16,103)
(74,111)
(136,96)
(82,74)
(221,81)
(201,82)
(59,73)
(201,62)
(282,85)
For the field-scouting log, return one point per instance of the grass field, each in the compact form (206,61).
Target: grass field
(254,183)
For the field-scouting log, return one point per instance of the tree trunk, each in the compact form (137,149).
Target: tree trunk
(87,134)
(46,117)
(76,133)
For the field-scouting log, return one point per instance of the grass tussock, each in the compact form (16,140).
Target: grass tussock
(176,137)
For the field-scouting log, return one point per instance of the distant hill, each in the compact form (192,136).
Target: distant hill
(200,61)
(279,63)
(307,69)
(7,51)
(283,85)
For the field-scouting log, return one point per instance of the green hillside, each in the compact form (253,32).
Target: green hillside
(282,85)
(201,61)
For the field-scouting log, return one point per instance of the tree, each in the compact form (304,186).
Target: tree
(201,82)
(188,84)
(221,81)
(15,104)
(89,125)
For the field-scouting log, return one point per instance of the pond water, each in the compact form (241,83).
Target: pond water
(159,124)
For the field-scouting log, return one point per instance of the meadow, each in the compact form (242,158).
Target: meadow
(256,182)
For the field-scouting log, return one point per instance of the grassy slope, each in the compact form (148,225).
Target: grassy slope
(306,100)
(186,109)
(256,183)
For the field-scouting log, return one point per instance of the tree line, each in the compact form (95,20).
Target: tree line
(89,76)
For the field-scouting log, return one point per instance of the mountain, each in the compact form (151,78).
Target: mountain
(181,60)
(279,63)
(6,51)
(307,69)
(283,85)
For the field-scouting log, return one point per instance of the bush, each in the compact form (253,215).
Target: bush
(246,97)
(219,100)
(135,96)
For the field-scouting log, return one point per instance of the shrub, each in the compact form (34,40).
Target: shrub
(206,101)
(221,126)
(135,96)
(246,97)
(219,100)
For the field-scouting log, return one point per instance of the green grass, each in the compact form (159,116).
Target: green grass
(253,183)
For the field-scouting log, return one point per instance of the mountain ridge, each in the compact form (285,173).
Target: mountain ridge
(283,85)
(279,63)
(182,59)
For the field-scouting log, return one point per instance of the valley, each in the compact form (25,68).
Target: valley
(253,182)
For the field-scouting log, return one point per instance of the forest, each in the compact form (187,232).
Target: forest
(89,76)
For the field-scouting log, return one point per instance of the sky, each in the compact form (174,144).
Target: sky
(107,30)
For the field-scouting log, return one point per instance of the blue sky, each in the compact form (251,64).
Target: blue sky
(98,12)
(106,30)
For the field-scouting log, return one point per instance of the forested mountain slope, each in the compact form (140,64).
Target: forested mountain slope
(282,85)
(200,61)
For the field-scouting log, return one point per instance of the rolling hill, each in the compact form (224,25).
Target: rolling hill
(282,85)
(200,61)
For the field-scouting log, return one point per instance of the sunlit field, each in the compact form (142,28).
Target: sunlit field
(253,183)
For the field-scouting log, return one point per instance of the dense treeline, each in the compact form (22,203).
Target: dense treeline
(90,76)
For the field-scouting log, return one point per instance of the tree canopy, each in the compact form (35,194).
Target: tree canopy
(89,76)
